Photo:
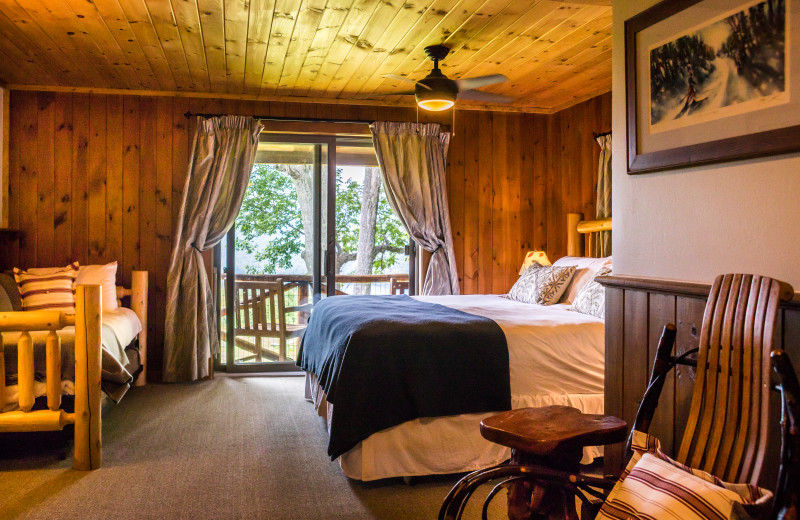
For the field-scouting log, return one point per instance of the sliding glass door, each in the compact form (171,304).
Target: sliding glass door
(276,259)
(315,222)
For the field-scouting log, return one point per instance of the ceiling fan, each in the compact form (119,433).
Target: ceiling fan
(436,92)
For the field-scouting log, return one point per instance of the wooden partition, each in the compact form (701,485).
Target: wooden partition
(636,311)
(97,178)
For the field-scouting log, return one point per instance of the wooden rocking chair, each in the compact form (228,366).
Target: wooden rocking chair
(726,430)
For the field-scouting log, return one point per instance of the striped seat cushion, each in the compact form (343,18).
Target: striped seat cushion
(47,289)
(655,487)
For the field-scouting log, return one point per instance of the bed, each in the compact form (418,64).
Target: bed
(552,355)
(91,355)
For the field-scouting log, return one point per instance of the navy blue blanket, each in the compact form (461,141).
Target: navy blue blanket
(384,360)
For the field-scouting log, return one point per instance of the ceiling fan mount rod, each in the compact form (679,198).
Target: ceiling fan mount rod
(437,53)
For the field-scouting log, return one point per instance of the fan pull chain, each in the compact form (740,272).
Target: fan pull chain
(453,131)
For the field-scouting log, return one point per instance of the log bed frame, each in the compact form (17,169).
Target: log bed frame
(577,228)
(87,320)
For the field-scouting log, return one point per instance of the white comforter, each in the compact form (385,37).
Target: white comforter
(556,356)
(551,349)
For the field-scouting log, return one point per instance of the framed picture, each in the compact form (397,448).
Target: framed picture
(711,80)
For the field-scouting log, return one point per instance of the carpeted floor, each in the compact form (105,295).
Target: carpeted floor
(230,448)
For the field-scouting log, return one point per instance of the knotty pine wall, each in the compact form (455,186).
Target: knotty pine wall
(97,178)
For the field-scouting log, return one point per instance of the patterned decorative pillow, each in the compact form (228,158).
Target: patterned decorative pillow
(48,289)
(592,298)
(655,486)
(542,285)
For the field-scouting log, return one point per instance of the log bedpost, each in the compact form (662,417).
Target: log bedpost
(25,377)
(139,285)
(574,246)
(2,374)
(88,328)
(53,353)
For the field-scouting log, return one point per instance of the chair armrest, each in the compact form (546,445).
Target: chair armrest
(300,308)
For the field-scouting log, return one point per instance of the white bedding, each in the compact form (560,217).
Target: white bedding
(120,327)
(556,356)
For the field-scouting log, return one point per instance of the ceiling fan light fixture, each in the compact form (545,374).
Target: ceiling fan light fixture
(436,93)
(435,105)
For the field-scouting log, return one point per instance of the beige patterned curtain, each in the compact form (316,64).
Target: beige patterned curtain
(603,244)
(222,157)
(412,158)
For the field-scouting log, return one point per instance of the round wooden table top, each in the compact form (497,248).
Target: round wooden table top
(550,429)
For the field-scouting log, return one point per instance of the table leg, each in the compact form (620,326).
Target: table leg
(530,500)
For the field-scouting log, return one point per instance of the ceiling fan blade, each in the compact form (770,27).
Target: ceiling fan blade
(480,81)
(486,97)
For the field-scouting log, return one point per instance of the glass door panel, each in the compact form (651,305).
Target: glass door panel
(273,260)
(372,253)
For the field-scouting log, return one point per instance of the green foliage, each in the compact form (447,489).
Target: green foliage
(348,212)
(271,208)
(389,231)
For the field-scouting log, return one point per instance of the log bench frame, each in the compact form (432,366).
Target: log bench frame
(87,320)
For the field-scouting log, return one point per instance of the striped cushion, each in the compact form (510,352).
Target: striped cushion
(654,486)
(47,289)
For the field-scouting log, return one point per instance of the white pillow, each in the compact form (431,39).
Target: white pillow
(585,269)
(106,277)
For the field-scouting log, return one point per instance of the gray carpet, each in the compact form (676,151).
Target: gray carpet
(247,447)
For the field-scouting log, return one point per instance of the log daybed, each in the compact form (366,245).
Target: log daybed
(88,355)
(412,383)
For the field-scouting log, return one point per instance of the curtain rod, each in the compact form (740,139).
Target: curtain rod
(296,119)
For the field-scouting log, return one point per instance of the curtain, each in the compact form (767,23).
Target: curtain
(412,158)
(222,157)
(603,244)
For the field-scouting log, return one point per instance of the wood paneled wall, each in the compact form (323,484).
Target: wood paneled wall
(636,311)
(97,178)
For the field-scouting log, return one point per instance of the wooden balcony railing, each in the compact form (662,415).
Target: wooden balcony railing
(262,315)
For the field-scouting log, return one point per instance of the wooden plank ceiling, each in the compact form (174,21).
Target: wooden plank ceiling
(555,53)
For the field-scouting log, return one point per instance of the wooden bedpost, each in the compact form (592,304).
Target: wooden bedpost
(139,285)
(574,239)
(88,330)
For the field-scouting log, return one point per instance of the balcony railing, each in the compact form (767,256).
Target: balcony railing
(267,325)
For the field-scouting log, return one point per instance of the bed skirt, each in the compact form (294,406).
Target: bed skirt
(438,445)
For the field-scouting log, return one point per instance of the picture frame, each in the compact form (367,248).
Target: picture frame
(695,94)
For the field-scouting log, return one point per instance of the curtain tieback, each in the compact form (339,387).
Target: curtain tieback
(193,245)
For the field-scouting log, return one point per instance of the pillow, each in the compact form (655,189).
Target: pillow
(104,276)
(655,486)
(9,288)
(542,285)
(592,298)
(50,289)
(585,269)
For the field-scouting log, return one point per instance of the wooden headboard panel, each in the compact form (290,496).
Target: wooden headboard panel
(577,229)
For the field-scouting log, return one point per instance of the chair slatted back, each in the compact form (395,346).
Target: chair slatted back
(727,427)
(254,299)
